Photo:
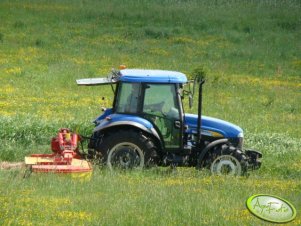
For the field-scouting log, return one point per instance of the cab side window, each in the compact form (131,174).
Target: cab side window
(128,98)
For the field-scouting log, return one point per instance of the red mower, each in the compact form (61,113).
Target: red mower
(64,159)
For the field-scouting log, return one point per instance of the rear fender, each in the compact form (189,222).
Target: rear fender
(116,123)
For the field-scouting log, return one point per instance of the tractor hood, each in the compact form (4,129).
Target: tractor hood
(213,127)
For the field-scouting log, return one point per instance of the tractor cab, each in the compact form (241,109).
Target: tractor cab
(154,98)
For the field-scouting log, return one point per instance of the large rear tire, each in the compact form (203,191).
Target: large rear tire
(95,152)
(127,149)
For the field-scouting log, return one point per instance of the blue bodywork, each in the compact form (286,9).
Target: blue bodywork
(209,124)
(109,119)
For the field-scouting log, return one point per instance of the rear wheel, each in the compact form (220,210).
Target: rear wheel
(128,150)
(95,152)
(126,155)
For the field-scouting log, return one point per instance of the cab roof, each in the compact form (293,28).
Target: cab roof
(137,75)
(152,76)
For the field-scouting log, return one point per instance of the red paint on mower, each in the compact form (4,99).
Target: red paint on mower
(65,157)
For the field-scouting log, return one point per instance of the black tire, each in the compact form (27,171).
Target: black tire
(127,149)
(95,151)
(227,160)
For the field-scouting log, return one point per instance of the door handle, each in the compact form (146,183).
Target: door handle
(177,124)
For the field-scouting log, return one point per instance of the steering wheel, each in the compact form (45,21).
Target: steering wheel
(155,107)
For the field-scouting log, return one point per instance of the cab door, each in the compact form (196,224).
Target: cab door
(161,107)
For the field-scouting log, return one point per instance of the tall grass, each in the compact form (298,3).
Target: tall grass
(250,51)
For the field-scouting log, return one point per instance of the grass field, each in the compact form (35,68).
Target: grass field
(251,51)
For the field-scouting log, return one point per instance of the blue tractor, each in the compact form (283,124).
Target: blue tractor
(147,126)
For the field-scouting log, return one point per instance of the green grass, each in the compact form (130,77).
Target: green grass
(157,197)
(251,51)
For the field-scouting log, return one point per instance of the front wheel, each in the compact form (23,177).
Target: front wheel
(226,160)
(226,165)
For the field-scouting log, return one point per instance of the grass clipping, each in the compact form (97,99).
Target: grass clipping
(11,165)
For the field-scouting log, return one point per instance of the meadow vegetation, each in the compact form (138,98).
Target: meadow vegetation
(251,52)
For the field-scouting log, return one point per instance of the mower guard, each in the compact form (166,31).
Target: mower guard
(44,163)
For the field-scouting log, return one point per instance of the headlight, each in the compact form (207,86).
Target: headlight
(240,137)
